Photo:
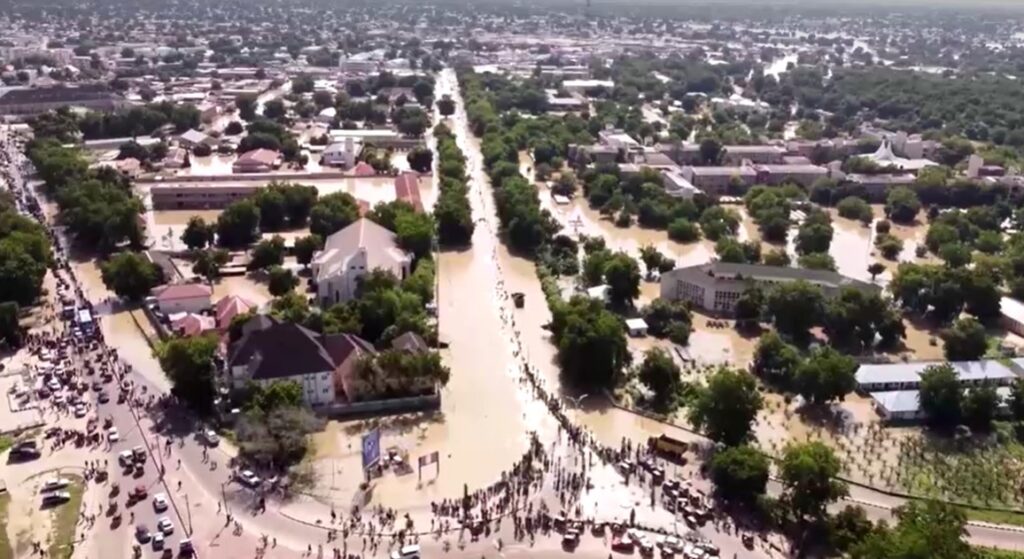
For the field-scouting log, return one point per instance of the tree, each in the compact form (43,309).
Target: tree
(209,262)
(622,274)
(794,308)
(267,253)
(775,361)
(740,473)
(281,281)
(661,374)
(980,405)
(197,234)
(817,261)
(1015,401)
(415,232)
(662,314)
(750,306)
(246,104)
(333,212)
(274,109)
(849,527)
(131,275)
(278,394)
(902,205)
(22,268)
(10,329)
(931,529)
(234,128)
(940,396)
(710,151)
(683,230)
(726,408)
(815,234)
(965,340)
(238,224)
(188,363)
(306,247)
(412,122)
(420,159)
(591,342)
(826,375)
(853,207)
(276,439)
(652,258)
(808,473)
(874,269)
(446,106)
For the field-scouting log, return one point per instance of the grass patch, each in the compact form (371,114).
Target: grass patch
(996,517)
(65,520)
(6,442)
(6,550)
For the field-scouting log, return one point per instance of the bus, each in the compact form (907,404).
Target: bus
(669,447)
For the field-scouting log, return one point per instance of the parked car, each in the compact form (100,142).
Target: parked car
(125,458)
(211,437)
(247,477)
(407,552)
(113,435)
(165,525)
(54,484)
(160,502)
(56,498)
(142,533)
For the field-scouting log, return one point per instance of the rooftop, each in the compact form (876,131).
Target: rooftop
(967,371)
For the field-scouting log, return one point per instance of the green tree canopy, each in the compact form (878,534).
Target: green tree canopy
(131,275)
(725,409)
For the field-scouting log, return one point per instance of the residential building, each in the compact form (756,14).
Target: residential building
(407,189)
(760,154)
(192,138)
(715,287)
(410,342)
(270,350)
(199,196)
(342,154)
(188,324)
(229,307)
(350,254)
(721,181)
(30,101)
(182,298)
(676,184)
(1012,315)
(176,158)
(779,174)
(257,161)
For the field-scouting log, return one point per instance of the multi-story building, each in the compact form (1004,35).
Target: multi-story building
(716,287)
(28,101)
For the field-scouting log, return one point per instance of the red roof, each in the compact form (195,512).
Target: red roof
(192,324)
(363,169)
(182,291)
(229,307)
(266,157)
(407,189)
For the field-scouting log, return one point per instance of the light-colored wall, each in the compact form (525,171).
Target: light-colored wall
(190,304)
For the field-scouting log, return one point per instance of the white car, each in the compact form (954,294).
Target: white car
(407,552)
(248,478)
(160,502)
(55,483)
(112,435)
(80,410)
(211,437)
(165,525)
(158,541)
(58,398)
(53,385)
(125,458)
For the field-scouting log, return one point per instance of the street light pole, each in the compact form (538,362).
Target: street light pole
(188,509)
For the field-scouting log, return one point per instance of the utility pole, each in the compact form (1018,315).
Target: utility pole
(188,509)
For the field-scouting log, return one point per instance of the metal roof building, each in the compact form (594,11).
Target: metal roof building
(907,376)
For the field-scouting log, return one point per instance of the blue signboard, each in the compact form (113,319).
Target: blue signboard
(371,448)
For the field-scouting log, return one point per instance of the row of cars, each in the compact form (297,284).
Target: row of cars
(53,491)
